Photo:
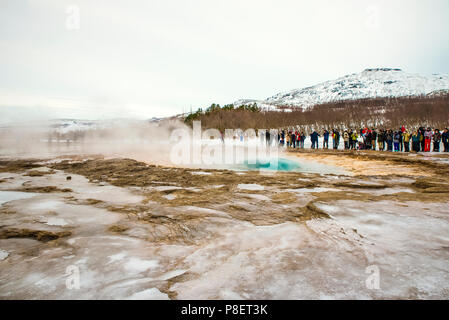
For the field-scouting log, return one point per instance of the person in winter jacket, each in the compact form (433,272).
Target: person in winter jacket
(401,140)
(415,141)
(374,138)
(396,140)
(380,141)
(326,139)
(436,141)
(389,139)
(368,140)
(346,139)
(333,138)
(303,139)
(336,138)
(354,139)
(445,139)
(314,137)
(406,138)
(383,138)
(267,137)
(350,139)
(422,141)
(427,139)
(360,142)
(293,140)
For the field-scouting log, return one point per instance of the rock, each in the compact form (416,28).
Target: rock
(118,228)
(69,178)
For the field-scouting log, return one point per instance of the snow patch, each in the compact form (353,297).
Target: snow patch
(259,197)
(250,187)
(172,274)
(166,188)
(304,190)
(117,257)
(169,197)
(201,173)
(149,294)
(6,196)
(56,222)
(3,254)
(47,205)
(139,265)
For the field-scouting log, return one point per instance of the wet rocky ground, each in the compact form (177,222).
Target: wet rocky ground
(140,231)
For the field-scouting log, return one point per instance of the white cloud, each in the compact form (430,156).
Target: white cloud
(154,58)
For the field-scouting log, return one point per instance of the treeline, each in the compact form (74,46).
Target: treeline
(380,113)
(221,116)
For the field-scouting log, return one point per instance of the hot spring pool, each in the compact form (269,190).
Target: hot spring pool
(287,165)
(273,164)
(278,164)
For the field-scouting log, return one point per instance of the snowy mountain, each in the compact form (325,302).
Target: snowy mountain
(371,83)
(260,103)
(64,126)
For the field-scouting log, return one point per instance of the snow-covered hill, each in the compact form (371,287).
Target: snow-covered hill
(371,83)
(64,126)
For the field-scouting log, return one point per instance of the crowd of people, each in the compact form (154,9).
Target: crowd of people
(401,140)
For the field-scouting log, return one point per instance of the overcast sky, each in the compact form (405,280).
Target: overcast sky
(106,59)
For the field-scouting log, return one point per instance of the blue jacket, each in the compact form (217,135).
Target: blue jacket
(445,137)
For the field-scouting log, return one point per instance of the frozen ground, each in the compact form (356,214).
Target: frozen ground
(133,231)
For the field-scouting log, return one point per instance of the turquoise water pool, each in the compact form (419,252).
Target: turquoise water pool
(280,165)
(274,165)
(287,165)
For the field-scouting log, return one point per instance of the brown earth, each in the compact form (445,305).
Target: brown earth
(161,210)
(40,235)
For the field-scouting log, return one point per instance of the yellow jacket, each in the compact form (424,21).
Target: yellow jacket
(406,136)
